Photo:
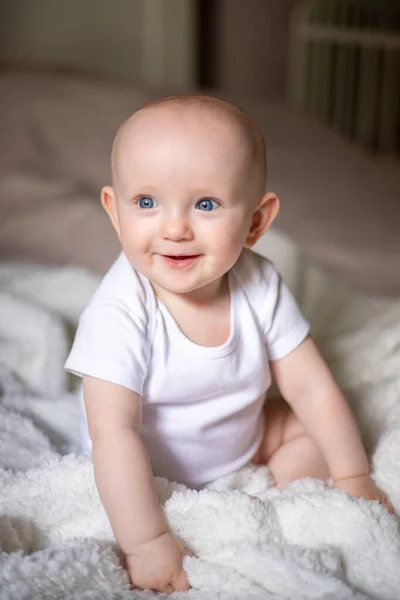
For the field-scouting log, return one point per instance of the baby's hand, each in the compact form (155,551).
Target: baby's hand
(363,486)
(157,565)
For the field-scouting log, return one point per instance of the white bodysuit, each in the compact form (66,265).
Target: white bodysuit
(201,406)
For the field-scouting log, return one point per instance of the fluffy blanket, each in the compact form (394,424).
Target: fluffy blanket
(250,540)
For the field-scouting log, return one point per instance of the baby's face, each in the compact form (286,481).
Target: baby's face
(183,201)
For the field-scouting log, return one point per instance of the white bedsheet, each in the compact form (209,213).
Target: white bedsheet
(251,541)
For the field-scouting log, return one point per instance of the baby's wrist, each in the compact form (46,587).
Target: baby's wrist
(138,547)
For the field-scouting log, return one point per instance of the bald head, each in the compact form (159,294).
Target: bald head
(225,121)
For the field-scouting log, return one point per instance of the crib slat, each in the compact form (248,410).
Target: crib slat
(389,116)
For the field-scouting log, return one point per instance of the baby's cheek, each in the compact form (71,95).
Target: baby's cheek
(135,232)
(134,244)
(227,253)
(230,240)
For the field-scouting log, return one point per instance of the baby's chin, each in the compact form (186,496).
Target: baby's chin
(180,289)
(197,280)
(196,288)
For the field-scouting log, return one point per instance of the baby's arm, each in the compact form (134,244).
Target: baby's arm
(307,384)
(126,487)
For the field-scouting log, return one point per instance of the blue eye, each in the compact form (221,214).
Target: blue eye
(147,202)
(207,204)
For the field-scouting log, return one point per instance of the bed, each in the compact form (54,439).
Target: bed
(337,244)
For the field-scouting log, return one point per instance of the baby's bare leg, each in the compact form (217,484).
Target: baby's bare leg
(287,450)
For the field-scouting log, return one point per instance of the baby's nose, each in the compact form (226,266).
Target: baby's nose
(176,227)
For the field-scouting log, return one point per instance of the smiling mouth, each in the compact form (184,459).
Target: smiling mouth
(180,256)
(180,261)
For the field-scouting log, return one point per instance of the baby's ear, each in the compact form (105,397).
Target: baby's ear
(109,203)
(263,216)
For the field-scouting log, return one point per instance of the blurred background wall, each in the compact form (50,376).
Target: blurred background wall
(231,44)
(247,44)
(141,41)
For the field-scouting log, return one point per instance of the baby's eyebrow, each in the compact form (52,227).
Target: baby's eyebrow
(145,190)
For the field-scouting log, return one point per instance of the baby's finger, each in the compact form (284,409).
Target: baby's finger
(389,506)
(165,588)
(181,582)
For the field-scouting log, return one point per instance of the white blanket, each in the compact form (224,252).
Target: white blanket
(250,540)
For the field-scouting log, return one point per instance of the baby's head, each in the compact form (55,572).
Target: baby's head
(188,193)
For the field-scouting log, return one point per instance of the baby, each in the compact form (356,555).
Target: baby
(179,344)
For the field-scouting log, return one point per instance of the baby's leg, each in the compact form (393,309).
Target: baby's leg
(285,448)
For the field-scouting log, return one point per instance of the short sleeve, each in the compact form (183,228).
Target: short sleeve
(286,327)
(110,344)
